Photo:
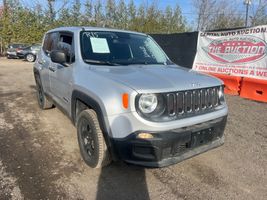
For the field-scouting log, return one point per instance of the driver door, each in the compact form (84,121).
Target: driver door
(60,76)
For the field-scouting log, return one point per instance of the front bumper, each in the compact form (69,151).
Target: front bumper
(170,147)
(11,54)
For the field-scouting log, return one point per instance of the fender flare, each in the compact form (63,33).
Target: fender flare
(92,103)
(89,101)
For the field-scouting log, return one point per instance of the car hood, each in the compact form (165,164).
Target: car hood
(157,78)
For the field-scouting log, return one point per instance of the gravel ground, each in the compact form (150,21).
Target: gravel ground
(39,155)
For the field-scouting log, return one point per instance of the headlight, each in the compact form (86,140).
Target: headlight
(148,103)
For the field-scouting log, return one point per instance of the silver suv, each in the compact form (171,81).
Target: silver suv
(127,99)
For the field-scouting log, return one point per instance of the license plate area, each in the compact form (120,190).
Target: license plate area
(202,137)
(191,140)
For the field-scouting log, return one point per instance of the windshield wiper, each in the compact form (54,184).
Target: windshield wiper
(147,63)
(100,62)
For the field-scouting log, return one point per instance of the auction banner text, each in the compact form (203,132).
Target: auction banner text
(239,52)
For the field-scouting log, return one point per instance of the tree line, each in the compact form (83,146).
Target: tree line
(24,23)
(20,23)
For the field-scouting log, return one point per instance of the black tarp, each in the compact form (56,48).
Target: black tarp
(180,47)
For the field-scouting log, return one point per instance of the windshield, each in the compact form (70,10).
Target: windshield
(36,47)
(118,48)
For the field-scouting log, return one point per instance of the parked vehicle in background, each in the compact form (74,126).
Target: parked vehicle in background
(127,99)
(29,53)
(12,50)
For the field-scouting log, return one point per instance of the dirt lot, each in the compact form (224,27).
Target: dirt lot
(39,155)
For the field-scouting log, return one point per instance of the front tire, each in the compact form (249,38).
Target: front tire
(92,144)
(43,102)
(30,57)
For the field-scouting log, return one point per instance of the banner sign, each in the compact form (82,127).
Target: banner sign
(239,52)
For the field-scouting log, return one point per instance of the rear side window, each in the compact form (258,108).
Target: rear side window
(50,42)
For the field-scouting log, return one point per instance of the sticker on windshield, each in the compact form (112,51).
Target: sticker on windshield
(99,45)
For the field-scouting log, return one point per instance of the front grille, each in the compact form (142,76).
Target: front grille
(192,102)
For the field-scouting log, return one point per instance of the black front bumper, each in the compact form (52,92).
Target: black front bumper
(11,55)
(170,147)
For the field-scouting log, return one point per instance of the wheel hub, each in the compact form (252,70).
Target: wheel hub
(88,141)
(30,58)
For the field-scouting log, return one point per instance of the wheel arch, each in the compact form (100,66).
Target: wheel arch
(81,101)
(36,72)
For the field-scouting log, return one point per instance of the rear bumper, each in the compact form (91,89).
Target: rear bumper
(170,147)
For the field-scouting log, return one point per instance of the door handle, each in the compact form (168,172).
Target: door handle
(52,69)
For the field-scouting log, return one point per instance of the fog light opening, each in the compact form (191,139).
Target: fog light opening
(145,136)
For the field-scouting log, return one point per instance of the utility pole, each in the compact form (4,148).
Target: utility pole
(247,3)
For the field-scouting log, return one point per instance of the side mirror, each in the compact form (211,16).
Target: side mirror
(59,57)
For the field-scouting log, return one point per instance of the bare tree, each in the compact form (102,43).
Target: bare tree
(218,14)
(204,10)
(226,16)
(259,13)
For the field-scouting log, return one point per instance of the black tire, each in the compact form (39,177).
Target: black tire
(30,57)
(43,102)
(92,144)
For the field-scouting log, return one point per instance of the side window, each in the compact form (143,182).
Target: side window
(50,42)
(66,38)
(66,44)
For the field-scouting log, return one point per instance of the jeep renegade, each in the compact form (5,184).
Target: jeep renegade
(127,99)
